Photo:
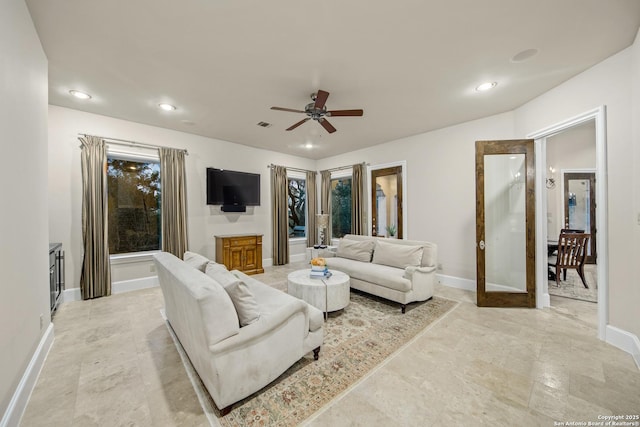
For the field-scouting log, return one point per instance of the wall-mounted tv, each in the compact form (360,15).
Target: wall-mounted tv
(233,190)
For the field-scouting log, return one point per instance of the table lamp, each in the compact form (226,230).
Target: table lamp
(322,221)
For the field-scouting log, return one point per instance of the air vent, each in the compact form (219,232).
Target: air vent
(264,124)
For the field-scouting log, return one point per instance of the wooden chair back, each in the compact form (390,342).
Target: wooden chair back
(571,230)
(571,253)
(572,250)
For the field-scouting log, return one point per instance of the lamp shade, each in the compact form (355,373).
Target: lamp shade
(322,220)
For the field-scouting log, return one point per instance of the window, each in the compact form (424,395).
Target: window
(297,199)
(133,188)
(340,206)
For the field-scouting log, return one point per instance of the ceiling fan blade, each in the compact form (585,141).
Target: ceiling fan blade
(298,124)
(338,113)
(321,99)
(328,126)
(291,110)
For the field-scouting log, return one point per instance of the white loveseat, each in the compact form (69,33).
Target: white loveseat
(403,271)
(234,361)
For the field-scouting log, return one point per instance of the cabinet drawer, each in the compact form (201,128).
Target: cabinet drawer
(242,241)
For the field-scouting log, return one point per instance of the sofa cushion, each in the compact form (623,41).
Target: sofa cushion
(356,250)
(383,275)
(211,299)
(196,260)
(242,298)
(399,256)
(271,300)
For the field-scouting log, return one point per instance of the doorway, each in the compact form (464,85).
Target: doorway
(571,206)
(386,185)
(598,116)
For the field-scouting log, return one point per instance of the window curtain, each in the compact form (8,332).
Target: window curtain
(279,215)
(95,277)
(325,200)
(173,201)
(312,209)
(358,201)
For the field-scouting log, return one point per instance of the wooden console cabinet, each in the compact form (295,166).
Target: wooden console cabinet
(240,252)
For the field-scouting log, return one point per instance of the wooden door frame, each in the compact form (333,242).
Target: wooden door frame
(507,299)
(589,174)
(370,195)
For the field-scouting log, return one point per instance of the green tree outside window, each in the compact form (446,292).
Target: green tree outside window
(340,206)
(133,189)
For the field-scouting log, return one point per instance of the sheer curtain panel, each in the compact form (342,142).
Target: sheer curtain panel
(95,277)
(358,201)
(312,209)
(279,215)
(173,201)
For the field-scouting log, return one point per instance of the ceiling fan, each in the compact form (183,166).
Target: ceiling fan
(317,110)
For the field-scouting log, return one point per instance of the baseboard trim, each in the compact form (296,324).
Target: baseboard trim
(624,341)
(74,294)
(546,300)
(134,284)
(456,282)
(298,257)
(20,398)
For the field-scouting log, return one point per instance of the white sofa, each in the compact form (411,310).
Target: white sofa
(234,361)
(403,271)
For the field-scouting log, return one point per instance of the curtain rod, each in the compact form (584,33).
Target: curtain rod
(339,168)
(128,143)
(271,166)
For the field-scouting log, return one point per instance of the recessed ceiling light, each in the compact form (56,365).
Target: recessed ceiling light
(80,95)
(166,107)
(308,145)
(486,86)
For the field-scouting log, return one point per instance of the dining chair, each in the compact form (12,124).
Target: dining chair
(571,230)
(571,254)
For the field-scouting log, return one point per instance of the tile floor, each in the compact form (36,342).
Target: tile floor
(114,363)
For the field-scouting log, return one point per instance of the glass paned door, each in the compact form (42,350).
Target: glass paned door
(580,207)
(505,223)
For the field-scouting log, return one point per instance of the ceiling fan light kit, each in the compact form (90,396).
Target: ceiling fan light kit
(317,110)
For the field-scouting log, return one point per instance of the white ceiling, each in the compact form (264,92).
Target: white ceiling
(412,65)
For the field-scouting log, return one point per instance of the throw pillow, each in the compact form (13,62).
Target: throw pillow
(359,250)
(240,294)
(395,255)
(214,266)
(195,260)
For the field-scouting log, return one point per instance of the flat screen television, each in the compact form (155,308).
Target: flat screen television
(232,188)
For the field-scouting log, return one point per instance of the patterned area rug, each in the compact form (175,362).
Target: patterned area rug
(357,339)
(573,287)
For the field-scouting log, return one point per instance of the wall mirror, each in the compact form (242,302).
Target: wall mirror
(386,202)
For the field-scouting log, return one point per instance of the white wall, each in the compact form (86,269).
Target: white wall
(634,246)
(23,191)
(204,221)
(608,83)
(440,191)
